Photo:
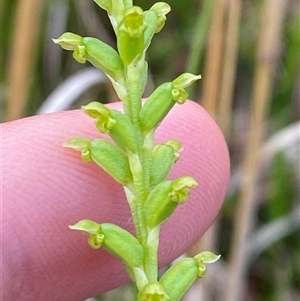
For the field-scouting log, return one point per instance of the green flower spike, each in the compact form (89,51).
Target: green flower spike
(132,158)
(164,199)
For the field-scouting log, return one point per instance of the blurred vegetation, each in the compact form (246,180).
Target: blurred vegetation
(198,37)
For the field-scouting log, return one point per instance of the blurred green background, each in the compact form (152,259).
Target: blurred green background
(248,55)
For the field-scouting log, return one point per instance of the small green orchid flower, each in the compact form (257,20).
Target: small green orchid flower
(131,156)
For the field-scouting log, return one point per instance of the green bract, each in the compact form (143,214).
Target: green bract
(130,155)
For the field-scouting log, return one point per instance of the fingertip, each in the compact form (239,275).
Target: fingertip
(48,187)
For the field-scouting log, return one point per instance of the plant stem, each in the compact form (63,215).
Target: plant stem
(151,256)
(140,196)
(131,199)
(134,91)
(200,32)
(269,40)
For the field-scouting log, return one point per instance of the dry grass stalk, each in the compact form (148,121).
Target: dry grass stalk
(22,56)
(273,13)
(213,65)
(229,66)
(220,72)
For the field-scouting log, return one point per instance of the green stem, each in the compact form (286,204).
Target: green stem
(201,30)
(134,91)
(140,196)
(131,199)
(140,278)
(151,255)
(127,107)
(148,145)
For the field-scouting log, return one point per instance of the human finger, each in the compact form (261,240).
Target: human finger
(46,188)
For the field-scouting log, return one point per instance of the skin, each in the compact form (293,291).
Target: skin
(47,187)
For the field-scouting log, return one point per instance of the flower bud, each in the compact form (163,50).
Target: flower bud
(80,144)
(180,95)
(179,278)
(116,124)
(184,80)
(131,35)
(87,226)
(181,189)
(161,8)
(176,146)
(202,270)
(203,258)
(207,257)
(164,199)
(101,114)
(153,292)
(69,41)
(90,227)
(179,84)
